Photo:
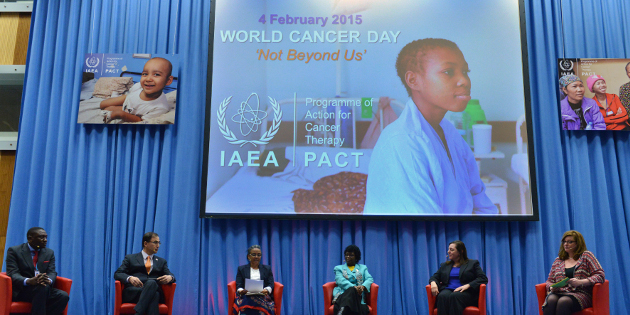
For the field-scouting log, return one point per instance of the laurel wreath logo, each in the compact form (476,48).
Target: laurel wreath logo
(92,62)
(266,137)
(566,65)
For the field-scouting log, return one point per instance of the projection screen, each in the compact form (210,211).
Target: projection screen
(347,109)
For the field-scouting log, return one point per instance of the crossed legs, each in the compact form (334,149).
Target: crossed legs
(147,298)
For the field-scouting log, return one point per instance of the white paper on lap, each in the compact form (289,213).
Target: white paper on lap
(253,286)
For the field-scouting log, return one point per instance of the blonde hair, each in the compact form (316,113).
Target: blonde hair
(579,240)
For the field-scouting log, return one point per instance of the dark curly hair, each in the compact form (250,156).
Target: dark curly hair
(355,250)
(412,55)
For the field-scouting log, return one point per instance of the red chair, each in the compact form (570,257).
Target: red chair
(601,299)
(127,308)
(371,298)
(277,296)
(7,306)
(480,309)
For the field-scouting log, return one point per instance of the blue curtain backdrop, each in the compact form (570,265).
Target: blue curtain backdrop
(96,190)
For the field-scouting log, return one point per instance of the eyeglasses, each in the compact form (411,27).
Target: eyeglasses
(255,255)
(156,243)
(568,242)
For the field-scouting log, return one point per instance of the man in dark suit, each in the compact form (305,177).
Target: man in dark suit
(141,273)
(31,267)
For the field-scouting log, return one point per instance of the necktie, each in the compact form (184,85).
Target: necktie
(35,259)
(147,264)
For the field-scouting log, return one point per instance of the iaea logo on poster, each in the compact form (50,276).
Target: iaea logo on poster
(92,62)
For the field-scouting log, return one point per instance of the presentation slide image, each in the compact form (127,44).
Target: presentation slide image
(311,113)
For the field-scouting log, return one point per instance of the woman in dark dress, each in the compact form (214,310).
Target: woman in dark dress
(457,282)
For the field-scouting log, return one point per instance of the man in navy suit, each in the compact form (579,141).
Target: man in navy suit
(141,273)
(31,267)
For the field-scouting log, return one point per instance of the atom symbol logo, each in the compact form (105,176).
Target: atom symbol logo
(92,62)
(249,117)
(566,65)
(252,119)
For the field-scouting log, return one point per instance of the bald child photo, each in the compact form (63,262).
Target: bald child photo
(145,99)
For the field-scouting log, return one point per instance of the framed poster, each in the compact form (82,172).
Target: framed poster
(594,94)
(128,89)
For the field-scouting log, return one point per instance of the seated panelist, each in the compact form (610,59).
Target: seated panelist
(254,304)
(141,273)
(582,269)
(457,282)
(353,280)
(31,267)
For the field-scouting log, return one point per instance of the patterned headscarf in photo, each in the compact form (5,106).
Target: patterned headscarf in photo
(568,79)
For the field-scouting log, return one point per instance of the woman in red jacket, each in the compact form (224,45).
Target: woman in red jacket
(615,115)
